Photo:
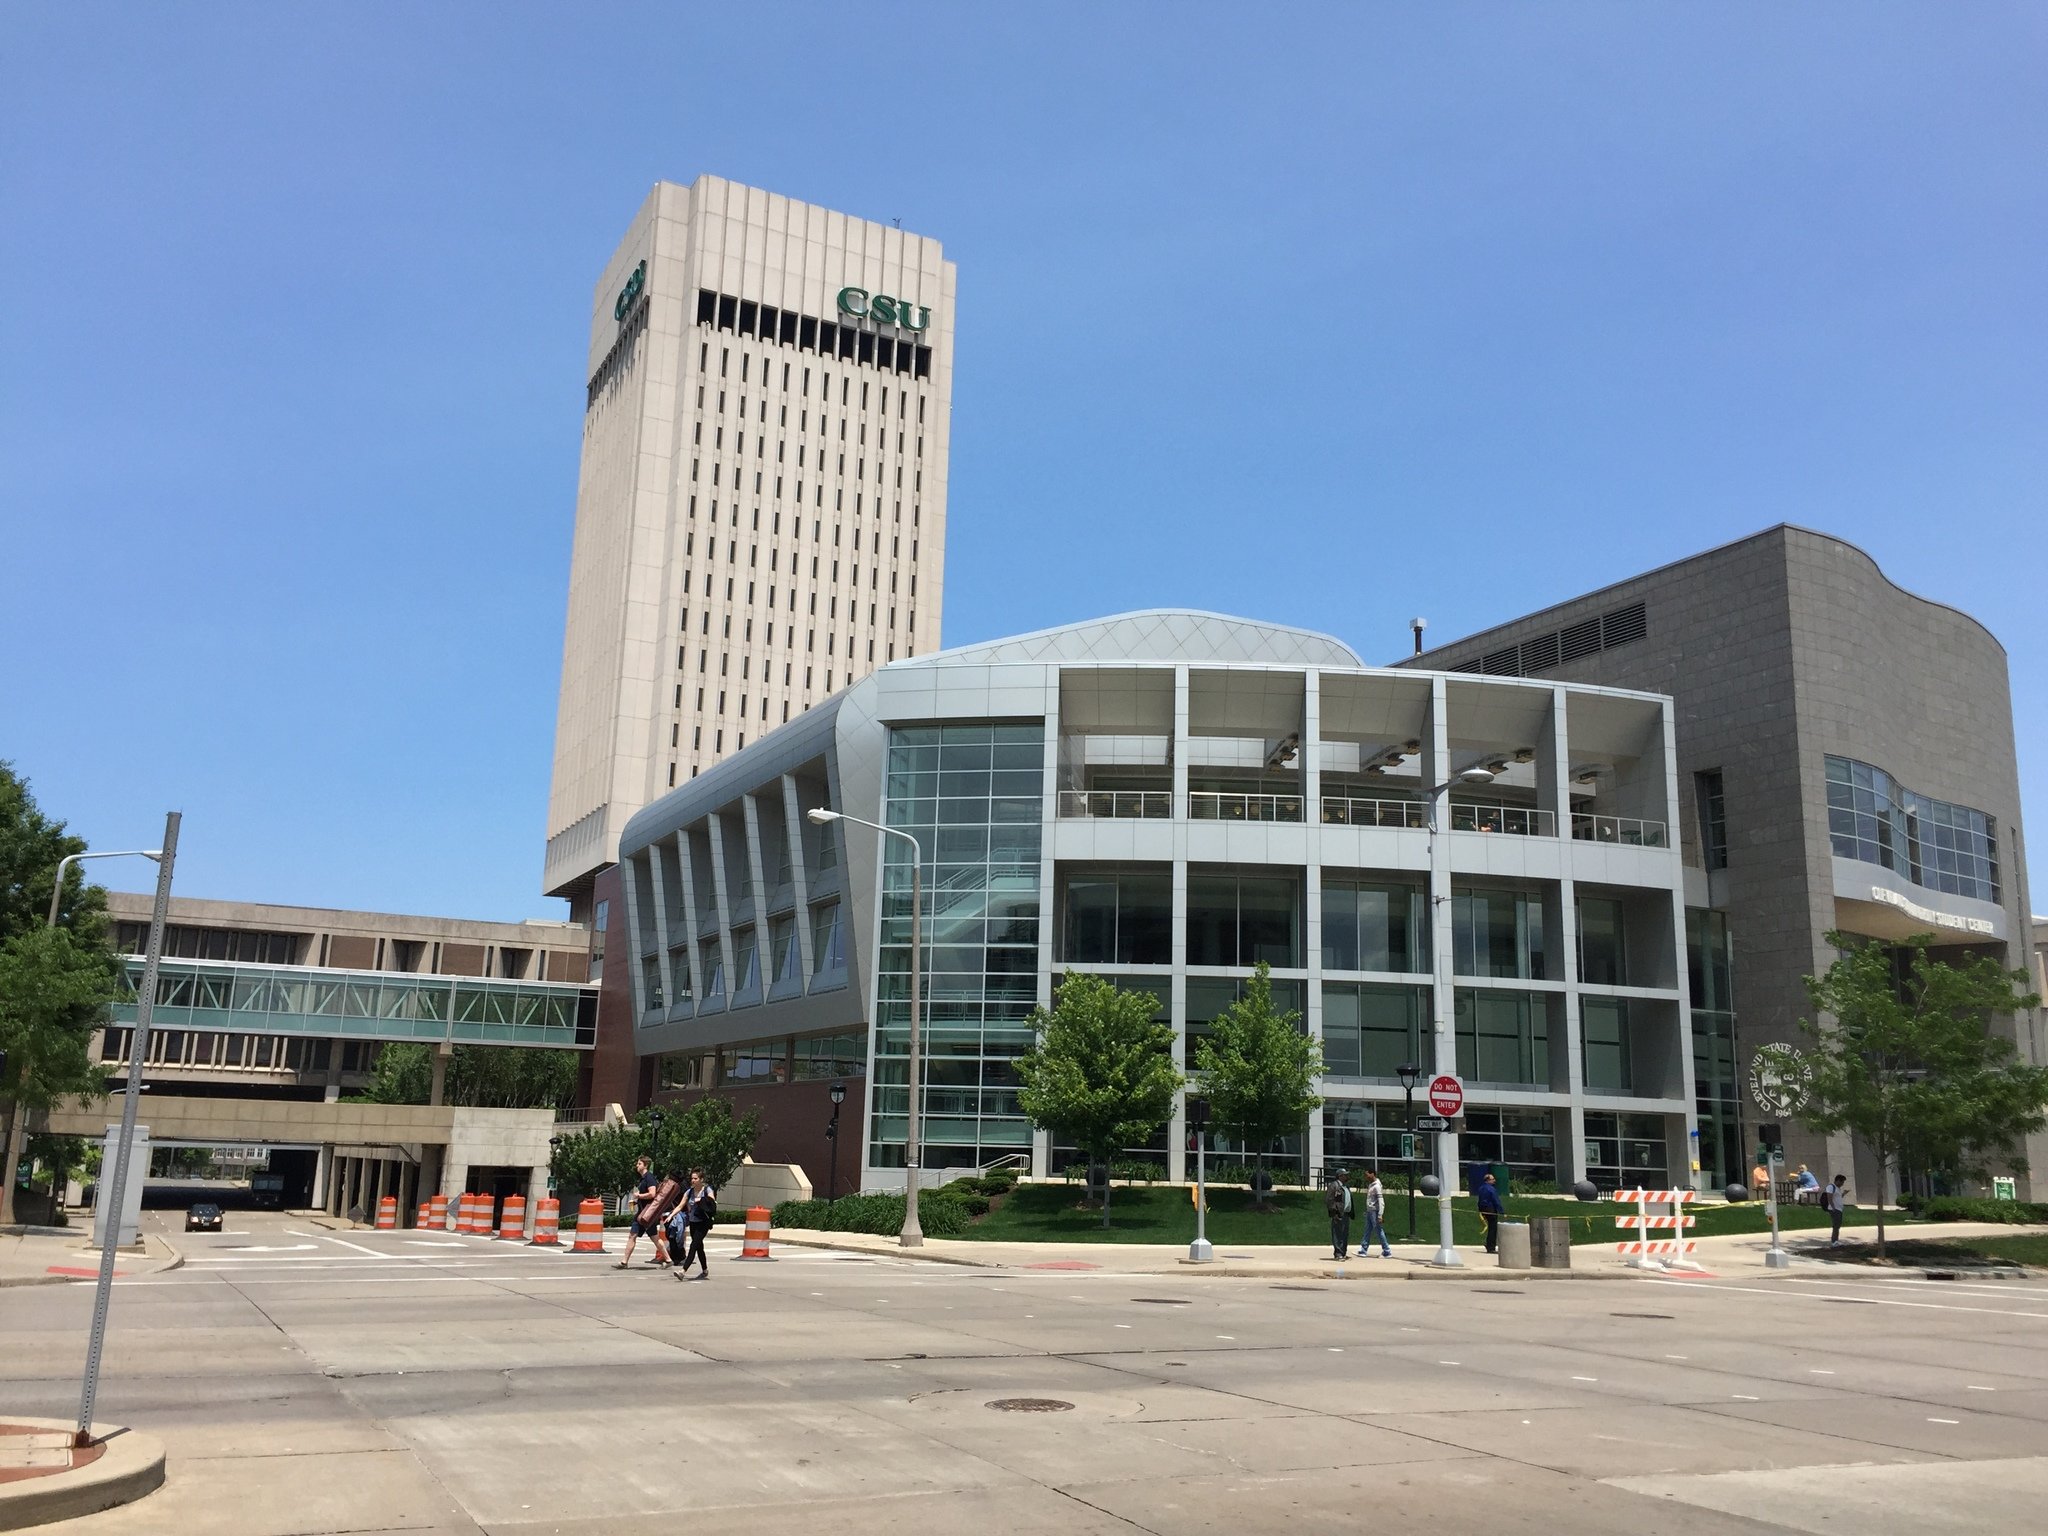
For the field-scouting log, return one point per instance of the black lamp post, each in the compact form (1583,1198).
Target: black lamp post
(1408,1072)
(654,1118)
(832,1136)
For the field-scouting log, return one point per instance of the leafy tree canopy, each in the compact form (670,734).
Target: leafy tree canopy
(1100,1073)
(1902,1058)
(1259,1067)
(55,983)
(488,1076)
(706,1135)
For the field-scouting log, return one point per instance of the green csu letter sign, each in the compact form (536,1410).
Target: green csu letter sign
(630,293)
(880,307)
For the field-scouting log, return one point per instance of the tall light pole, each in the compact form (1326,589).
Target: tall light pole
(1200,1251)
(1444,1001)
(69,859)
(17,1124)
(913,1234)
(1408,1072)
(115,1187)
(832,1135)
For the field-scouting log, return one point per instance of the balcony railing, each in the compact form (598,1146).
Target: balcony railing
(1619,829)
(1514,820)
(1117,804)
(1340,811)
(1219,805)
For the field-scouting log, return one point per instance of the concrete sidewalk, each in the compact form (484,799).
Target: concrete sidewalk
(1741,1254)
(59,1256)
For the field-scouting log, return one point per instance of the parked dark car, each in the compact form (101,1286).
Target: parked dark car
(204,1217)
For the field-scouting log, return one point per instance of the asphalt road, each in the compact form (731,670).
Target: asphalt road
(308,1380)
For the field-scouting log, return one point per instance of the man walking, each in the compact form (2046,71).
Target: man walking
(1488,1200)
(699,1209)
(1337,1202)
(1375,1217)
(1834,1199)
(645,1190)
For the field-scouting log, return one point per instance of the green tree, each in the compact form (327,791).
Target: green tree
(1902,1057)
(1259,1067)
(489,1076)
(597,1161)
(53,991)
(53,994)
(1100,1071)
(706,1135)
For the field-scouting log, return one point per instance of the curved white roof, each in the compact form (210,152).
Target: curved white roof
(1157,634)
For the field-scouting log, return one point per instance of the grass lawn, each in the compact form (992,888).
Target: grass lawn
(1053,1213)
(1936,1252)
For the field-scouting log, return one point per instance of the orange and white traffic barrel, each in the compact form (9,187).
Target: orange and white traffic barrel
(589,1228)
(472,1215)
(547,1223)
(387,1214)
(437,1213)
(421,1217)
(512,1221)
(756,1244)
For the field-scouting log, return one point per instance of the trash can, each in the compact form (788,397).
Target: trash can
(1550,1243)
(1514,1245)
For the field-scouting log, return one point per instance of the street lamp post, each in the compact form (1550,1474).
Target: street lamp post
(1408,1072)
(114,1186)
(1441,993)
(832,1136)
(1200,1251)
(912,1235)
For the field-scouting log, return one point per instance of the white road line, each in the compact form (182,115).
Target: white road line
(1872,1301)
(342,1242)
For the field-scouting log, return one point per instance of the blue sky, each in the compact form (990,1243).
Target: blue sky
(1492,304)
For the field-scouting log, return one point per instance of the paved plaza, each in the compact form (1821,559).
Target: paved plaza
(310,1380)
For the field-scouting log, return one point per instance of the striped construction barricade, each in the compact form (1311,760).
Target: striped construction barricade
(1646,1252)
(589,1228)
(756,1244)
(547,1223)
(387,1213)
(512,1221)
(437,1213)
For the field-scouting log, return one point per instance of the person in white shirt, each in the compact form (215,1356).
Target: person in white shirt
(1834,1199)
(1375,1199)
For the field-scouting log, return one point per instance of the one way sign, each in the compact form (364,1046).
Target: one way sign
(1432,1123)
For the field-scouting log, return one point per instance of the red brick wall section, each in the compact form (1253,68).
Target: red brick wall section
(613,1075)
(793,1118)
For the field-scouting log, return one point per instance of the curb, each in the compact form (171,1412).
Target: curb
(1427,1274)
(920,1254)
(131,1466)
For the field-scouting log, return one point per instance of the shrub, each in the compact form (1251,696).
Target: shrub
(940,1212)
(1956,1208)
(1534,1187)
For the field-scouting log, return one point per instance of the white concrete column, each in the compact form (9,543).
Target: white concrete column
(1177,1000)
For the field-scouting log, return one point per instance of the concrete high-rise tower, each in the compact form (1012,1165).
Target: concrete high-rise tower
(761,509)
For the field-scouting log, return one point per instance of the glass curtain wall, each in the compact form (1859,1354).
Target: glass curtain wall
(973,795)
(1710,979)
(1498,933)
(1371,1031)
(1504,1037)
(1374,927)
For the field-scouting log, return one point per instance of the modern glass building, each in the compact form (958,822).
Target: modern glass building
(1470,874)
(1846,764)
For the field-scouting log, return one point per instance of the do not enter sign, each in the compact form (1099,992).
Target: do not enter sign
(1446,1095)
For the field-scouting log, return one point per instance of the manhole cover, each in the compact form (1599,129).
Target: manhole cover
(1662,1317)
(1494,1290)
(1299,1287)
(1029,1405)
(1163,1301)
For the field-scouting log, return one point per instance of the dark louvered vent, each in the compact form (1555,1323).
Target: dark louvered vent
(1622,626)
(1580,639)
(1539,653)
